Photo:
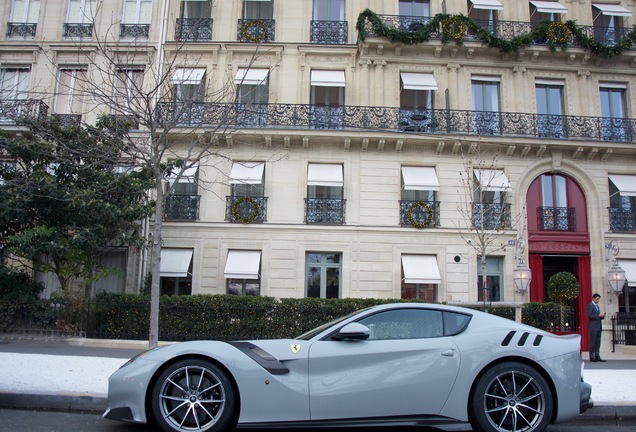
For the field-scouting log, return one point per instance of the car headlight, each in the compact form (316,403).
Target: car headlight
(141,354)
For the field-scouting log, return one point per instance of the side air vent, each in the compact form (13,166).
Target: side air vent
(508,338)
(537,340)
(523,339)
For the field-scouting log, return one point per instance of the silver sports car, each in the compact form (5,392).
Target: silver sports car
(396,364)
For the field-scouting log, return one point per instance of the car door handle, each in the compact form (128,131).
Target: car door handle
(449,353)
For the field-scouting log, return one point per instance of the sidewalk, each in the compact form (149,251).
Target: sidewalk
(80,382)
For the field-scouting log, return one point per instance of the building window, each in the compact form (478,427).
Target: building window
(493,289)
(69,96)
(608,23)
(550,119)
(484,13)
(541,11)
(176,271)
(622,193)
(328,25)
(555,215)
(14,82)
(195,24)
(128,87)
(79,19)
(616,127)
(242,272)
(627,301)
(136,18)
(490,210)
(416,102)
(413,14)
(323,274)
(257,24)
(418,205)
(327,99)
(486,115)
(325,188)
(182,201)
(24,18)
(252,96)
(420,277)
(189,95)
(247,202)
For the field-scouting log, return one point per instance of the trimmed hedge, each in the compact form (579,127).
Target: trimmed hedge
(541,315)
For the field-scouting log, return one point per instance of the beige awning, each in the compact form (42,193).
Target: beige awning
(421,269)
(420,178)
(325,175)
(418,81)
(247,173)
(612,10)
(630,271)
(487,4)
(493,180)
(242,264)
(175,262)
(549,7)
(251,76)
(322,78)
(626,184)
(188,76)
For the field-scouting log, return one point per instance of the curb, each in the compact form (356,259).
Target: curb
(605,415)
(56,402)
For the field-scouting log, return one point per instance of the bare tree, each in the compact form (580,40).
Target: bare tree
(484,206)
(172,115)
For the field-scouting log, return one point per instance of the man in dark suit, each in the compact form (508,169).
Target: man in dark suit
(594,317)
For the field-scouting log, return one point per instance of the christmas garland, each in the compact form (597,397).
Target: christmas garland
(236,213)
(427,219)
(259,36)
(456,27)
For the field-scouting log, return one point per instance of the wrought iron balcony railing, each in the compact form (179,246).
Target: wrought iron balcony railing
(556,218)
(455,122)
(419,214)
(119,122)
(193,29)
(255,30)
(245,209)
(329,32)
(491,216)
(325,211)
(184,207)
(66,120)
(622,219)
(506,30)
(12,110)
(134,31)
(77,30)
(21,30)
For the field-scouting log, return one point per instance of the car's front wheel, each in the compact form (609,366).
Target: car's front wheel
(193,395)
(511,397)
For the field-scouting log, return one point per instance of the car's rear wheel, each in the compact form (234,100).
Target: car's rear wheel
(511,397)
(193,395)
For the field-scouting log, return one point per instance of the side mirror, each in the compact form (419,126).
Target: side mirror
(352,331)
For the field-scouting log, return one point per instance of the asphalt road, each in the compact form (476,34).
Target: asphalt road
(51,421)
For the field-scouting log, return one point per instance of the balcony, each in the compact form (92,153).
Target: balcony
(77,30)
(245,209)
(119,123)
(556,218)
(438,122)
(193,29)
(329,32)
(505,30)
(325,211)
(255,30)
(182,207)
(67,120)
(12,110)
(622,219)
(21,30)
(419,214)
(134,31)
(491,216)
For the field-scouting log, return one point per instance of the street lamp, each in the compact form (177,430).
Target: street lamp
(616,279)
(522,273)
(615,275)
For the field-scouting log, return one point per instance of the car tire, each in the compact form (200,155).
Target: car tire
(511,396)
(194,395)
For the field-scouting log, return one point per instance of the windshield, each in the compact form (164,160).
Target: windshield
(311,333)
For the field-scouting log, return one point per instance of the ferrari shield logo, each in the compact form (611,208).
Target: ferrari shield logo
(295,348)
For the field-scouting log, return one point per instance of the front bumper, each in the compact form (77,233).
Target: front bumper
(586,397)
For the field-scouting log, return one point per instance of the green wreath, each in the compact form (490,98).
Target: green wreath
(558,33)
(454,27)
(427,219)
(260,35)
(236,209)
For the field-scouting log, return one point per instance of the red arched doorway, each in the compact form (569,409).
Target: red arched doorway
(558,240)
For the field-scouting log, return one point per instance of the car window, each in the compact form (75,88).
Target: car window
(404,324)
(455,323)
